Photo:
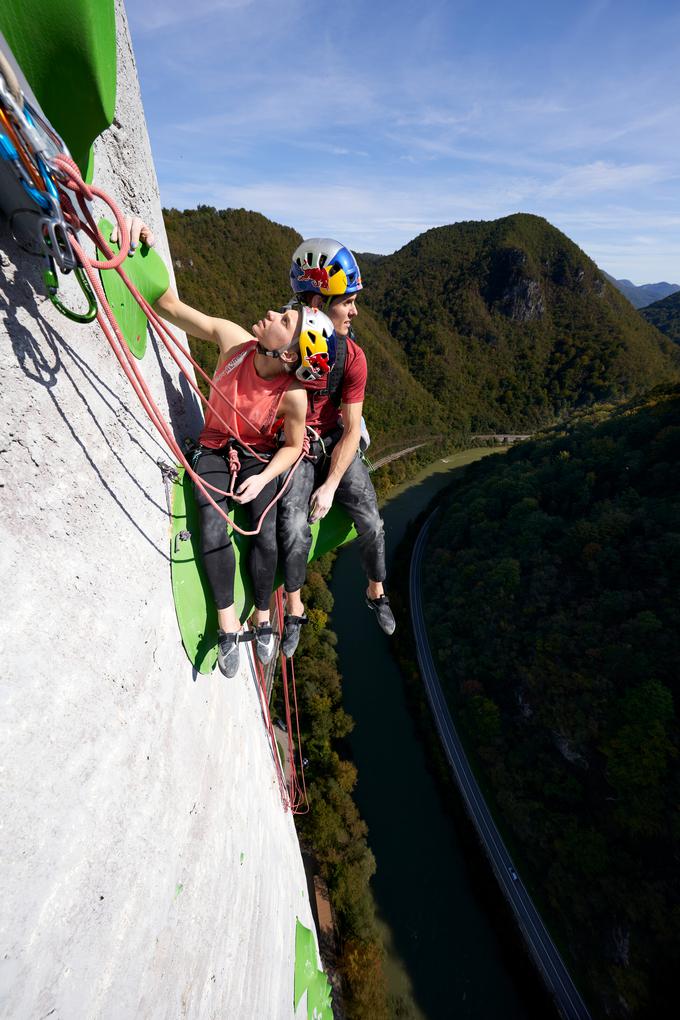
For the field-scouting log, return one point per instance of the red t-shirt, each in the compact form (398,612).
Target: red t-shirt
(257,399)
(322,414)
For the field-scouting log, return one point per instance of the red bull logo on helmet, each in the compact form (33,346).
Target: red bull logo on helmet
(318,277)
(319,363)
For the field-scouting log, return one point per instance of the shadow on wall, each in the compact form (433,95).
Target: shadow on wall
(43,355)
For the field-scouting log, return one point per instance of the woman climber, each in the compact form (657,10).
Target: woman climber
(257,396)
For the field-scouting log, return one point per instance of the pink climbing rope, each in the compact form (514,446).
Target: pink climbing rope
(71,179)
(297,788)
(294,792)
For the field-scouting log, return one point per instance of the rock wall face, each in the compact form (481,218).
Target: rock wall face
(149,868)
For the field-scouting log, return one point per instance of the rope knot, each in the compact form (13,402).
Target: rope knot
(234,462)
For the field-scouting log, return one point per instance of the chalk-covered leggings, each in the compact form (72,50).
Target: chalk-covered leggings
(216,547)
(355,494)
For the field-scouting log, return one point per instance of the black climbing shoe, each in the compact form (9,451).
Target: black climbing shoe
(227,652)
(385,616)
(292,625)
(265,645)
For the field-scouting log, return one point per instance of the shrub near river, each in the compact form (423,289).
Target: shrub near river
(559,642)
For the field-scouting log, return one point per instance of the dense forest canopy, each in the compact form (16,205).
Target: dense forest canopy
(552,583)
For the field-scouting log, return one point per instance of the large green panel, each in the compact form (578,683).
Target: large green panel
(196,613)
(67,50)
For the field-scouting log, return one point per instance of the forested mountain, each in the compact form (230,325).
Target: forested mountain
(235,264)
(665,315)
(644,294)
(510,325)
(552,580)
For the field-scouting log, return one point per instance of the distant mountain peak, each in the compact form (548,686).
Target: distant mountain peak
(644,294)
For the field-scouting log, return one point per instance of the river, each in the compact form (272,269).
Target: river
(451,950)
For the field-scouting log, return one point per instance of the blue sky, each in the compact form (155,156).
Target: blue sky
(374,121)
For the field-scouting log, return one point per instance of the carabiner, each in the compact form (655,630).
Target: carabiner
(52,284)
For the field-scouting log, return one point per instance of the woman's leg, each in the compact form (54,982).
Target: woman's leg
(263,549)
(263,557)
(216,548)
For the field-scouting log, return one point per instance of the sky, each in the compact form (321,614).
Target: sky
(373,121)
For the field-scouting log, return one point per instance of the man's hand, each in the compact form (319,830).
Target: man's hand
(138,231)
(321,502)
(249,489)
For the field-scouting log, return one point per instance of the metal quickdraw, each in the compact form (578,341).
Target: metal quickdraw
(28,146)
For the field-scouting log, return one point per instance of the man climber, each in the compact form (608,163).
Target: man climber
(257,393)
(325,275)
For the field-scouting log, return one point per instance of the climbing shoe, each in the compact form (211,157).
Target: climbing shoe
(227,652)
(265,645)
(384,615)
(292,625)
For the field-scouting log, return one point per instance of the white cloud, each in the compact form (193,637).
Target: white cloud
(602,177)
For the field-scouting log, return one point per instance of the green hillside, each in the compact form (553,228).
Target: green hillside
(665,315)
(511,325)
(235,264)
(552,579)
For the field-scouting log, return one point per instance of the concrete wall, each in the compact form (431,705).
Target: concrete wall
(148,868)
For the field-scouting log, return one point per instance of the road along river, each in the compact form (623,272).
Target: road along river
(452,950)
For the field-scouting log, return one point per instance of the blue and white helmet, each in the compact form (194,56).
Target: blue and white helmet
(323,266)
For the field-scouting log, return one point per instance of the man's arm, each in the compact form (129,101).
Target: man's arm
(294,407)
(342,456)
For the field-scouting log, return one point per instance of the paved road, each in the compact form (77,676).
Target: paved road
(566,996)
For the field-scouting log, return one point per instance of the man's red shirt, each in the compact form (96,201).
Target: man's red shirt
(322,414)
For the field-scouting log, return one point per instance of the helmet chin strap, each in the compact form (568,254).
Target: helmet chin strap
(277,354)
(268,354)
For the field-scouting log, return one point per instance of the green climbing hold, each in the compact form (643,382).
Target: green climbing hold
(149,274)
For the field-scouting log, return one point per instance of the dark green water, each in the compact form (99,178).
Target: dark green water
(451,949)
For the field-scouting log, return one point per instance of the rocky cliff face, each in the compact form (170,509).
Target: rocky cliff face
(150,869)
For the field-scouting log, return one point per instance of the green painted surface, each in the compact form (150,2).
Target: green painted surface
(149,274)
(309,978)
(319,998)
(67,50)
(305,961)
(196,613)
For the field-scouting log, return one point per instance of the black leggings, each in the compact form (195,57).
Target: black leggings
(216,547)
